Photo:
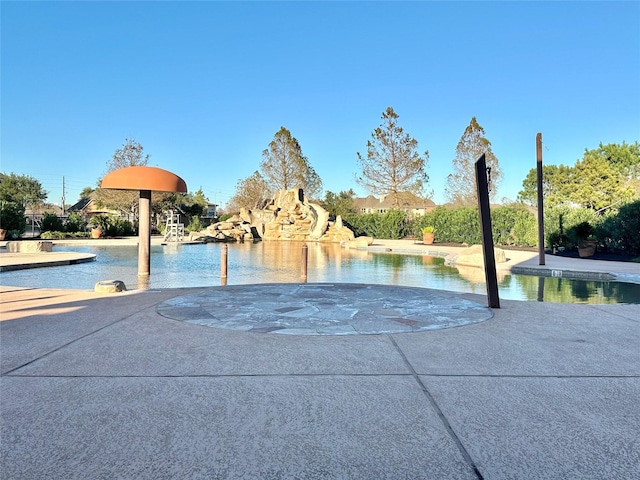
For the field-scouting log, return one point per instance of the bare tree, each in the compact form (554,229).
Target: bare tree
(250,192)
(461,184)
(131,154)
(393,164)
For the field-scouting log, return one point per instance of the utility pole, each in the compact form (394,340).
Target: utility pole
(63,199)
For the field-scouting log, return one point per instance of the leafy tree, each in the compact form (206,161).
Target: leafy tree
(250,192)
(606,177)
(597,185)
(21,189)
(461,184)
(86,191)
(623,159)
(392,164)
(12,217)
(339,204)
(555,181)
(200,199)
(284,166)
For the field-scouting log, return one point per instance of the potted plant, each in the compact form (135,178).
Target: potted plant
(428,235)
(98,225)
(584,239)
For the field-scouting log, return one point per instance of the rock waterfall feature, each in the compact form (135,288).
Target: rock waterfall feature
(287,216)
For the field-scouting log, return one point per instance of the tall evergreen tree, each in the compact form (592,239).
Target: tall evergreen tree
(284,166)
(461,184)
(392,164)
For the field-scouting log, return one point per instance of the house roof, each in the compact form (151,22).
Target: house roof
(406,200)
(88,205)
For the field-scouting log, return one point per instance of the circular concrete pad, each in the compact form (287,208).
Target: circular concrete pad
(324,309)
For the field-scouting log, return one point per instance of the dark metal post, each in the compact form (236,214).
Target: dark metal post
(482,188)
(540,200)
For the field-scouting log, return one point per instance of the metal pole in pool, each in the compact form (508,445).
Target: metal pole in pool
(144,234)
(305,259)
(224,256)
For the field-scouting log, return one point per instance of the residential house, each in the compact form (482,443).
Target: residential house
(408,202)
(88,207)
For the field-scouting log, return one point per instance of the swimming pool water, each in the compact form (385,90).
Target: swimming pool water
(176,265)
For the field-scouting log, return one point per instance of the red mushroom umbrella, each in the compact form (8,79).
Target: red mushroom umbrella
(144,179)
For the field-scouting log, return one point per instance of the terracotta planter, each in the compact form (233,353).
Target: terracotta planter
(428,238)
(96,233)
(3,233)
(587,249)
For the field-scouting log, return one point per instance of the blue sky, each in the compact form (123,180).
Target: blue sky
(204,86)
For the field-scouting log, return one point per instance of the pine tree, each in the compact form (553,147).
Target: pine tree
(284,166)
(461,184)
(393,164)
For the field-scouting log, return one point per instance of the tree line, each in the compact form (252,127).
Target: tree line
(391,165)
(605,179)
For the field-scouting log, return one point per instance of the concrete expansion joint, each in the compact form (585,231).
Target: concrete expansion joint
(441,416)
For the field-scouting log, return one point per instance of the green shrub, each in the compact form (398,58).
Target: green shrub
(51,223)
(578,233)
(620,233)
(195,225)
(75,223)
(53,235)
(118,227)
(12,217)
(525,229)
(393,224)
(460,225)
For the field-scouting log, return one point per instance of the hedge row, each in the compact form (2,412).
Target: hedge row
(512,225)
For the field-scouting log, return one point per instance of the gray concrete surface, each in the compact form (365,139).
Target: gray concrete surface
(103,386)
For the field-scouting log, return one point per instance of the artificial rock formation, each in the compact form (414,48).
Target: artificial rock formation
(474,257)
(287,216)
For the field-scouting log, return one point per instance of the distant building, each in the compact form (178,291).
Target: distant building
(408,202)
(210,211)
(87,207)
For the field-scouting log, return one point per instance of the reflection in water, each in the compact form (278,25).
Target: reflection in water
(558,290)
(280,262)
(541,289)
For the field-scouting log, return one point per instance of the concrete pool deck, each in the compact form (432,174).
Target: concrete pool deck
(103,386)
